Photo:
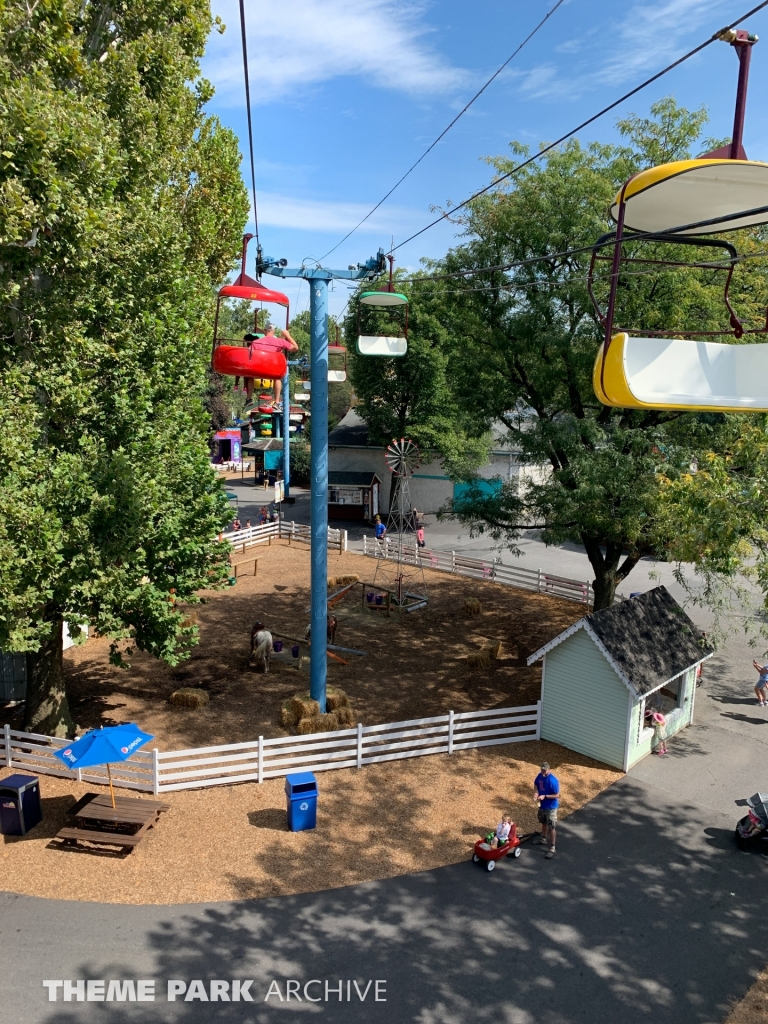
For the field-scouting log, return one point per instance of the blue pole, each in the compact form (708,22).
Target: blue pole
(318,318)
(286,431)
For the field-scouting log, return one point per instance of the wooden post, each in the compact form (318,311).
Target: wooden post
(260,758)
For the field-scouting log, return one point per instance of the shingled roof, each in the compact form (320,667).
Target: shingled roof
(648,640)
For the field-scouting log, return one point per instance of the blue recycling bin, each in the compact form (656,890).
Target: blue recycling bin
(301,800)
(20,808)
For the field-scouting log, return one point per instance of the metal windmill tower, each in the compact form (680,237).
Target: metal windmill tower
(399,566)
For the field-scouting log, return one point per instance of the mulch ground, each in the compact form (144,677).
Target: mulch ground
(232,842)
(383,820)
(415,664)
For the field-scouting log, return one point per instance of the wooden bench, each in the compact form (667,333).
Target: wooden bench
(244,560)
(75,835)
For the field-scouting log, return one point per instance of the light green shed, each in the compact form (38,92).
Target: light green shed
(603,678)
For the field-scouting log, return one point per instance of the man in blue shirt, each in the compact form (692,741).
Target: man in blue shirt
(546,790)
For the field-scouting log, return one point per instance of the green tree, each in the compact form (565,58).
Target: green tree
(121,208)
(411,395)
(534,336)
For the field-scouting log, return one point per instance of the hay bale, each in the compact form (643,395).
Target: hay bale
(479,659)
(303,706)
(335,699)
(190,697)
(346,717)
(318,723)
(494,649)
(472,606)
(343,581)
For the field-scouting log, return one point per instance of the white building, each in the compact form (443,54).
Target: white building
(431,489)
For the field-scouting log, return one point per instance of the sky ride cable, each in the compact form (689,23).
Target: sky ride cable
(445,131)
(578,128)
(250,125)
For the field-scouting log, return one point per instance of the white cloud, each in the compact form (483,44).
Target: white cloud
(296,44)
(281,211)
(650,36)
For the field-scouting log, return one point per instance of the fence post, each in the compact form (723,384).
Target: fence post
(453,561)
(365,543)
(450,732)
(155,771)
(538,719)
(79,774)
(7,740)
(359,744)
(260,758)
(538,581)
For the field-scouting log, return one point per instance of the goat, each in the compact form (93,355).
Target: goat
(331,622)
(262,650)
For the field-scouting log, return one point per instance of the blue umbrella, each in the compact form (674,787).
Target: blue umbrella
(101,746)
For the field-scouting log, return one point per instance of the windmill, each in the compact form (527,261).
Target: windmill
(399,566)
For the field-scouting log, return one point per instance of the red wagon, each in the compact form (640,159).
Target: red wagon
(483,851)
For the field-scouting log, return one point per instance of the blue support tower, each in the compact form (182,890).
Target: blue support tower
(287,431)
(318,278)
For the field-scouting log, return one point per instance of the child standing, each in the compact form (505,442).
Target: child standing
(761,687)
(659,743)
(420,537)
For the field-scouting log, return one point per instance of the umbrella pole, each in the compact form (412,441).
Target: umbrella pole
(111,789)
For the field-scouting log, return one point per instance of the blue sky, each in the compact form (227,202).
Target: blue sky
(346,94)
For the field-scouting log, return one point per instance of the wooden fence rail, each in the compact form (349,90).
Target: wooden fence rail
(157,771)
(484,569)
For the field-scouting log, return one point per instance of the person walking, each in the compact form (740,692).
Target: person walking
(546,790)
(761,687)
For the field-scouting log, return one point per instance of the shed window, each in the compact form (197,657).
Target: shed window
(668,699)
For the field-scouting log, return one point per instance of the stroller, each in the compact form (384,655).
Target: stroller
(752,831)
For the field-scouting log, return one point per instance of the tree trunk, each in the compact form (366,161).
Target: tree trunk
(604,586)
(47,708)
(606,575)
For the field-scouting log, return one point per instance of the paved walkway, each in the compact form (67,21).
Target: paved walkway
(647,914)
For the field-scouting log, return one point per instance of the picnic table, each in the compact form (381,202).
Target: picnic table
(98,822)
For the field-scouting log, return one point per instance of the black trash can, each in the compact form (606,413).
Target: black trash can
(301,797)
(20,808)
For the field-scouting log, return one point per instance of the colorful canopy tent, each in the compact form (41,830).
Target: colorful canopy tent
(720,192)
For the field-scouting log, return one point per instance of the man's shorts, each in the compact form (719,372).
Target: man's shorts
(548,817)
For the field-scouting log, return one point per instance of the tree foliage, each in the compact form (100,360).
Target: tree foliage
(534,336)
(121,207)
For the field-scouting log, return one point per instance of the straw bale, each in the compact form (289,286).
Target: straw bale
(346,717)
(336,699)
(479,659)
(343,581)
(494,649)
(190,697)
(328,722)
(472,606)
(303,706)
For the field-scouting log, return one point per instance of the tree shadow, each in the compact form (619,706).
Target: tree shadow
(644,914)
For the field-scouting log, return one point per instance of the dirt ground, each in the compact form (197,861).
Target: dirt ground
(415,664)
(753,1008)
(232,842)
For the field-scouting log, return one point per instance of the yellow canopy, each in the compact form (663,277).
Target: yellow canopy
(688,191)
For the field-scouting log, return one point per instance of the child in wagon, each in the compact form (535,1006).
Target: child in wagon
(501,836)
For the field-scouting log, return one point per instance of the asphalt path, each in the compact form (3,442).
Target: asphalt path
(647,914)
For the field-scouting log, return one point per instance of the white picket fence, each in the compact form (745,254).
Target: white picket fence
(489,569)
(157,771)
(283,530)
